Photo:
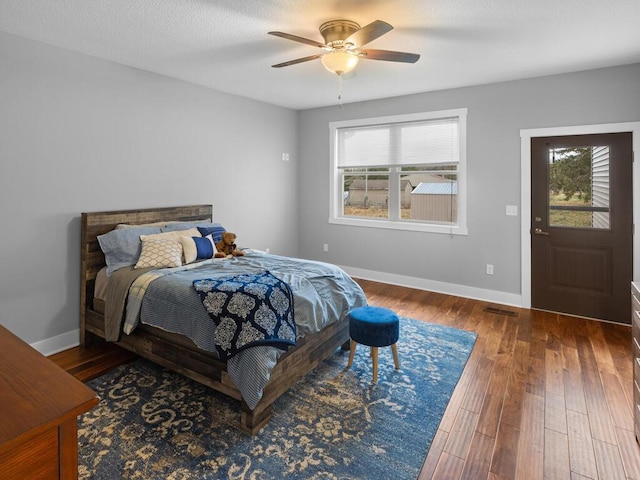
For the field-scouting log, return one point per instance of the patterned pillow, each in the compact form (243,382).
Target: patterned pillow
(160,253)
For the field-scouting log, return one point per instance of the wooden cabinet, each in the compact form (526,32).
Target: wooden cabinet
(635,327)
(39,406)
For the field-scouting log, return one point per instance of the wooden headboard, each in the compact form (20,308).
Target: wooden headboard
(97,223)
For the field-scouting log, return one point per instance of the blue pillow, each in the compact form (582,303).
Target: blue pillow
(121,247)
(215,230)
(204,247)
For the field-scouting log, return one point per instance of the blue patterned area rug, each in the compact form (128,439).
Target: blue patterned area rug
(333,424)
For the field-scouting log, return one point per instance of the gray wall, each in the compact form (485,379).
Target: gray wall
(496,113)
(80,134)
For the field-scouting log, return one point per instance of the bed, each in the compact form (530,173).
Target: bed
(321,330)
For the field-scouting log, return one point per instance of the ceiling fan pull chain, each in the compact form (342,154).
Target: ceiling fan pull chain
(340,90)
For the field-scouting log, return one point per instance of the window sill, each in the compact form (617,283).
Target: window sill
(391,225)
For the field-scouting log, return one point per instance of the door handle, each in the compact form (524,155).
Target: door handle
(539,231)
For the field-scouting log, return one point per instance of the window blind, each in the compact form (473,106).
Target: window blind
(404,144)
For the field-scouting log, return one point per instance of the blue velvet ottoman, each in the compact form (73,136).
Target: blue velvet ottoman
(374,327)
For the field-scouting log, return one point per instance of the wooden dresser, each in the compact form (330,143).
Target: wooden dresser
(635,328)
(39,406)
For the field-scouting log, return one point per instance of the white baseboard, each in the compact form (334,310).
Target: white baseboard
(56,344)
(465,291)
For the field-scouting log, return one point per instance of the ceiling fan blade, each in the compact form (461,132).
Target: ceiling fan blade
(296,38)
(298,60)
(368,33)
(389,55)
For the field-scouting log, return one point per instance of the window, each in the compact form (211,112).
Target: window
(578,180)
(403,172)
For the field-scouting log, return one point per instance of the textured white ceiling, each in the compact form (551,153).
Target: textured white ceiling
(223,44)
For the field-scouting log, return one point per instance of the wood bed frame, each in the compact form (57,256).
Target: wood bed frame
(172,351)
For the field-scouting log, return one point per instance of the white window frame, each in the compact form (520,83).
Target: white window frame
(335,187)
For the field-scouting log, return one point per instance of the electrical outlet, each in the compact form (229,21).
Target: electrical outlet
(512,210)
(489,269)
(285,157)
(325,247)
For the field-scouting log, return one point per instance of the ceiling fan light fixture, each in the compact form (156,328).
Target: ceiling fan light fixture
(339,61)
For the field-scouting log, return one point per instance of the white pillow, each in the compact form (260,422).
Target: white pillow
(160,253)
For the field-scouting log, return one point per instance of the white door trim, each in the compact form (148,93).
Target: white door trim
(525,196)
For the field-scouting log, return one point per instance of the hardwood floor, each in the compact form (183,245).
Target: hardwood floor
(542,395)
(87,364)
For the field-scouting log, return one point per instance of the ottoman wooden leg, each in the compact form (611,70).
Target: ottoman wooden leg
(374,356)
(352,353)
(394,349)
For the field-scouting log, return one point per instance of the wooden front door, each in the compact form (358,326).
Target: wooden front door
(582,225)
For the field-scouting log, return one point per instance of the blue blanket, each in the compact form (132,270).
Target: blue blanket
(248,310)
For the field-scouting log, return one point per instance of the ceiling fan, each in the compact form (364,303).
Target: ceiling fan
(342,47)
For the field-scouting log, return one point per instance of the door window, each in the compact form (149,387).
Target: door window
(578,180)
